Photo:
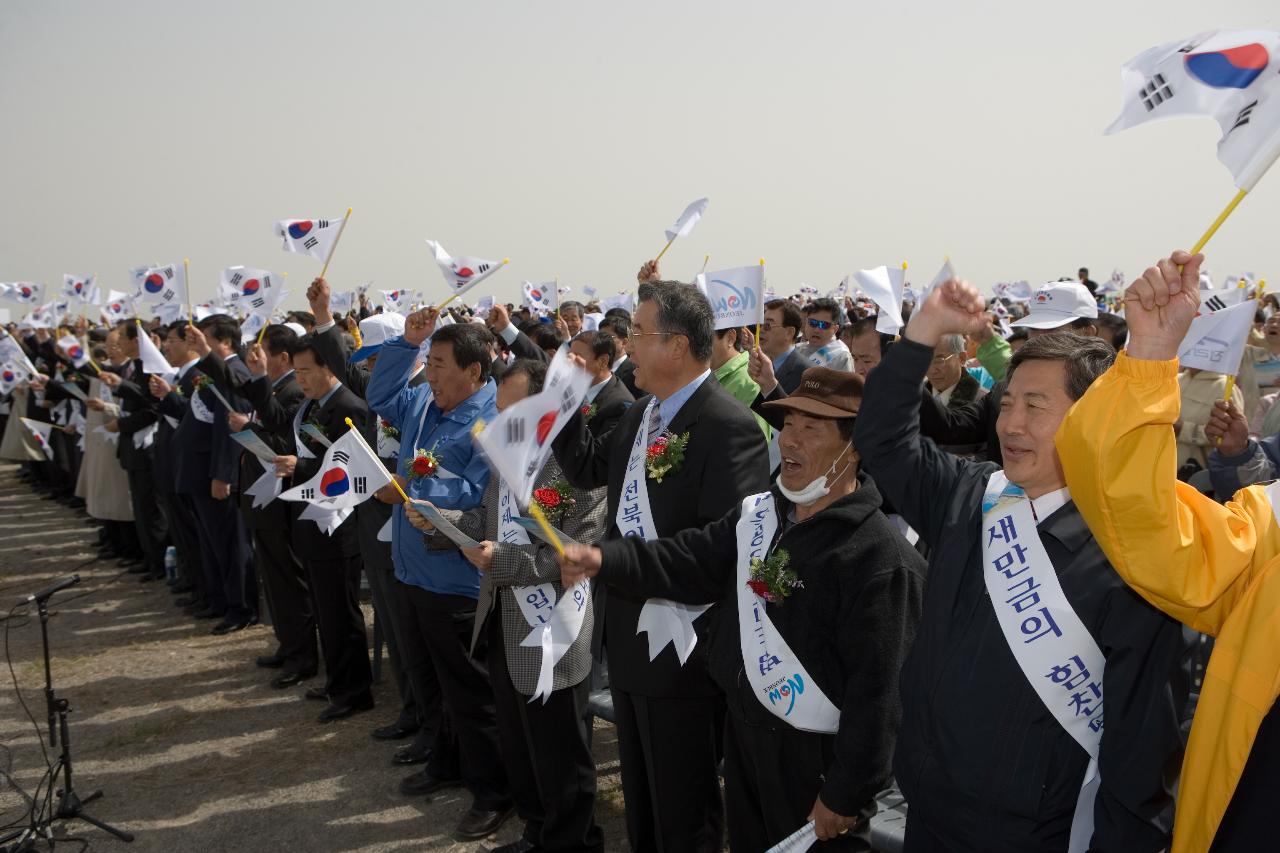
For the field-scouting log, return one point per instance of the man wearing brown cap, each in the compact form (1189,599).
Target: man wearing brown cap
(819,602)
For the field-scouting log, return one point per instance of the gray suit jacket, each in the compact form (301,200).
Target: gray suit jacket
(524,565)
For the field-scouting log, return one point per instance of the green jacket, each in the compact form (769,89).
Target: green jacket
(733,377)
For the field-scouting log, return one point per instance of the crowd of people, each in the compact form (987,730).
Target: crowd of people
(809,558)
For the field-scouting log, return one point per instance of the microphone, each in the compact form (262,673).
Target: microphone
(57,586)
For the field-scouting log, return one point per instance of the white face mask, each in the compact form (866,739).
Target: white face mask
(817,488)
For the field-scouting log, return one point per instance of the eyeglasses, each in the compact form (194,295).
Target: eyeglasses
(819,324)
(766,326)
(632,335)
(939,360)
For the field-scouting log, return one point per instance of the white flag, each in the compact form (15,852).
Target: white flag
(1216,339)
(463,273)
(152,360)
(349,475)
(688,219)
(944,275)
(10,375)
(736,295)
(1113,285)
(1230,75)
(341,303)
(166,285)
(11,352)
(589,291)
(314,237)
(70,346)
(398,301)
(1018,291)
(625,301)
(884,285)
(518,441)
(77,287)
(1216,300)
(26,292)
(40,435)
(539,296)
(251,290)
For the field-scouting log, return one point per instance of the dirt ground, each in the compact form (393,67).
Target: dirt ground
(194,750)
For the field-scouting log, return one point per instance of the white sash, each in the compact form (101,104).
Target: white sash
(556,624)
(303,451)
(1055,651)
(202,412)
(662,620)
(777,676)
(388,447)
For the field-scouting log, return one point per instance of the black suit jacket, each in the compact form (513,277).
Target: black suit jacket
(274,406)
(626,374)
(171,409)
(611,404)
(725,460)
(309,541)
(224,463)
(788,375)
(524,347)
(137,413)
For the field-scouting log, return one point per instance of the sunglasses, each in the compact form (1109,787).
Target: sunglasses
(819,324)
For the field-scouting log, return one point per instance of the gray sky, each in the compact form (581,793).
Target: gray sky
(566,135)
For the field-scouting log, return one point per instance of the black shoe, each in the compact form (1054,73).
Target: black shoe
(289,679)
(136,568)
(272,661)
(229,626)
(316,694)
(411,754)
(395,731)
(423,782)
(477,823)
(209,613)
(520,845)
(346,709)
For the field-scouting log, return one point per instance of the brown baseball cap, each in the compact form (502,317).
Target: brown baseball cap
(824,393)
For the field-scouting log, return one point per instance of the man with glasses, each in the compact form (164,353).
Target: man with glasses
(782,326)
(681,457)
(949,383)
(822,347)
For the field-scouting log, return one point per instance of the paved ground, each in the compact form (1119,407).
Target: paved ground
(194,750)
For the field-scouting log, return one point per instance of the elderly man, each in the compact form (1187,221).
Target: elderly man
(822,347)
(438,586)
(948,381)
(541,701)
(820,600)
(607,398)
(571,313)
(1213,567)
(679,458)
(1026,629)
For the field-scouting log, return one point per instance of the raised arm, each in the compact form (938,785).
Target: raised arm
(1186,554)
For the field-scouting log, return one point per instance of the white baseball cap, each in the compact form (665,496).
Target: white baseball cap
(376,330)
(1057,304)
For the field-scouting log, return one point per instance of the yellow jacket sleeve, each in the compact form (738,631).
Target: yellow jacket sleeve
(1184,553)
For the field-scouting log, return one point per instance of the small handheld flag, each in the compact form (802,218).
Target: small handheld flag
(685,223)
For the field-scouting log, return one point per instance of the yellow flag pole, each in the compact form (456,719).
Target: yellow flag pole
(324,269)
(704,266)
(372,455)
(664,250)
(545,526)
(705,260)
(458,293)
(1217,223)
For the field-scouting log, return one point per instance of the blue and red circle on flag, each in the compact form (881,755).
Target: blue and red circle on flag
(76,352)
(465,272)
(154,283)
(27,292)
(1233,68)
(334,482)
(9,376)
(535,295)
(250,287)
(300,229)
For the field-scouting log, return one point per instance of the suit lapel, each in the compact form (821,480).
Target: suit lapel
(688,414)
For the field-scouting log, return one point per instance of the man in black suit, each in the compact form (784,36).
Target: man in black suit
(275,395)
(499,322)
(137,428)
(418,719)
(607,398)
(332,560)
(623,367)
(669,712)
(778,335)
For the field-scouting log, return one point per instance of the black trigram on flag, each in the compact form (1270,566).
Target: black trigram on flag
(236,279)
(515,431)
(359,484)
(308,494)
(340,457)
(482,268)
(168,272)
(311,243)
(1243,117)
(167,295)
(1214,303)
(258,302)
(322,223)
(1155,93)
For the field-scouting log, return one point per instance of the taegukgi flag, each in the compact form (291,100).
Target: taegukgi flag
(79,287)
(518,441)
(26,292)
(539,297)
(1215,341)
(349,475)
(1231,75)
(166,285)
(40,432)
(253,291)
(464,272)
(736,295)
(70,346)
(314,237)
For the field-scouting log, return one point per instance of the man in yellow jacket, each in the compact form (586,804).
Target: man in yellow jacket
(1216,568)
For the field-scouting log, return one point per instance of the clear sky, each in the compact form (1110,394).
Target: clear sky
(566,135)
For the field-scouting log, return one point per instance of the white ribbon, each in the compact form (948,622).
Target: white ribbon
(797,842)
(265,489)
(1055,651)
(777,676)
(304,452)
(661,620)
(327,519)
